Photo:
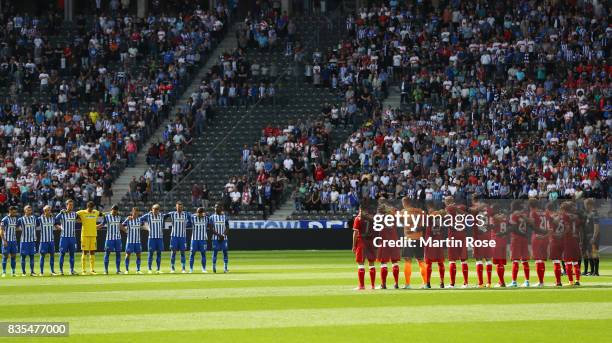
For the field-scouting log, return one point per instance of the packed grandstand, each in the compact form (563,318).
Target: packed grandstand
(503,100)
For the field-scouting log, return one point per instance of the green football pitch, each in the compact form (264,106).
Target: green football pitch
(307,296)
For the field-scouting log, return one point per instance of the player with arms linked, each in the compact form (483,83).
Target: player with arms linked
(220,227)
(112,222)
(132,225)
(89,234)
(433,253)
(8,228)
(417,251)
(27,226)
(519,248)
(539,239)
(46,222)
(363,243)
(572,242)
(387,254)
(499,233)
(178,237)
(482,233)
(155,222)
(457,233)
(199,238)
(66,222)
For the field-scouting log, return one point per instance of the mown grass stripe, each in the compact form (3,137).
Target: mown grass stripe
(144,294)
(241,274)
(194,301)
(330,317)
(592,331)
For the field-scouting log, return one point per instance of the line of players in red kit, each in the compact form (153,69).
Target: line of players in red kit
(559,233)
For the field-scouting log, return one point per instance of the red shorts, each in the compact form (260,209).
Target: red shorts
(365,250)
(499,261)
(434,260)
(386,254)
(434,254)
(482,252)
(386,260)
(556,249)
(457,253)
(500,251)
(571,250)
(519,248)
(539,248)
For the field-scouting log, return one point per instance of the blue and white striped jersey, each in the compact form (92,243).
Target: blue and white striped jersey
(156,224)
(113,226)
(133,230)
(180,221)
(199,225)
(67,220)
(219,222)
(47,225)
(28,228)
(9,224)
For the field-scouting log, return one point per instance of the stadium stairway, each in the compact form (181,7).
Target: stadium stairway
(216,154)
(394,98)
(121,184)
(284,212)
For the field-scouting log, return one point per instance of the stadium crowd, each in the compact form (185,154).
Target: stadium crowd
(83,100)
(504,100)
(233,82)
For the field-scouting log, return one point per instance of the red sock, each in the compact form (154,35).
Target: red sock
(489,272)
(464,270)
(428,272)
(526,269)
(540,269)
(515,269)
(396,273)
(557,270)
(361,277)
(577,272)
(569,271)
(383,275)
(500,273)
(479,270)
(441,271)
(372,276)
(453,272)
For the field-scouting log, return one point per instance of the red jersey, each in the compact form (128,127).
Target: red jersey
(385,253)
(518,226)
(483,233)
(364,246)
(557,234)
(519,246)
(571,240)
(455,210)
(434,254)
(364,227)
(558,231)
(539,223)
(499,232)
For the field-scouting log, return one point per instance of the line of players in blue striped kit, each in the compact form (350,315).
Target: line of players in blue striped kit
(203,226)
(216,224)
